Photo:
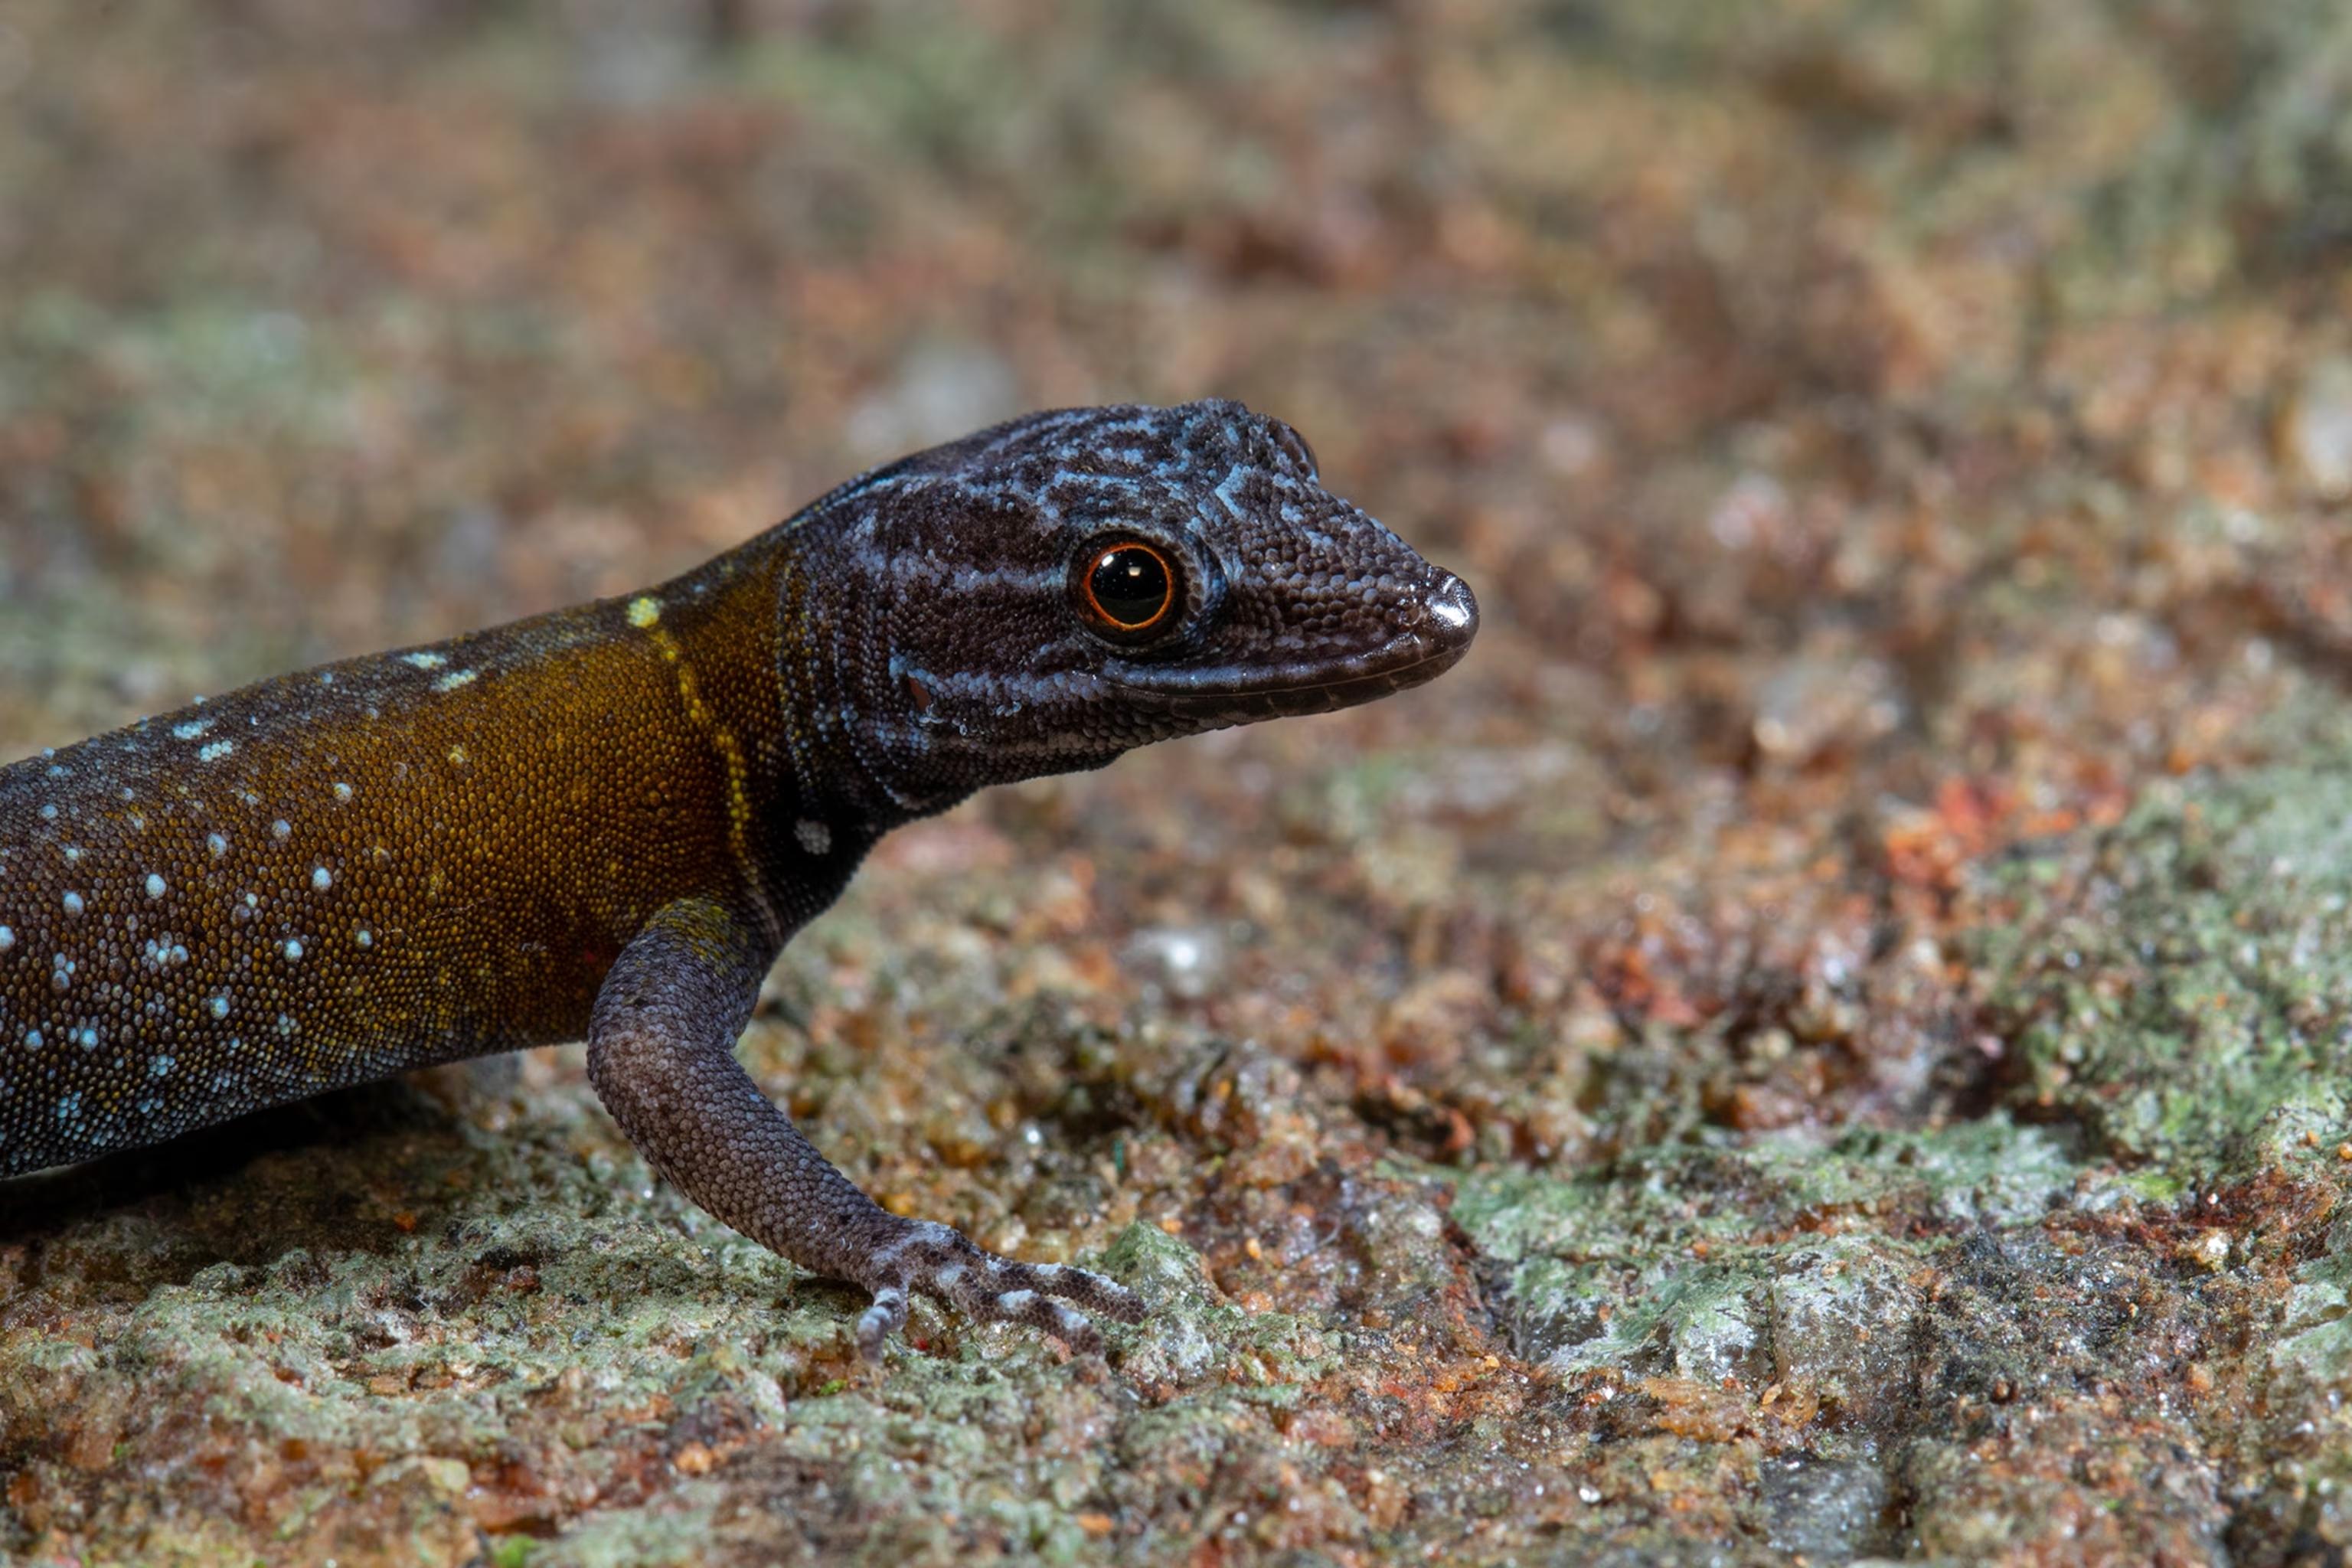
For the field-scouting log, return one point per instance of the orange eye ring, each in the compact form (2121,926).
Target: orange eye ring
(1128,588)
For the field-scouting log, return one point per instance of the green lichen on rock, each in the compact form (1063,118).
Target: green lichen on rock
(1783,1259)
(2180,985)
(2315,1329)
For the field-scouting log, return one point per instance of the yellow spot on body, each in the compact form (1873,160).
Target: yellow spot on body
(645,612)
(458,756)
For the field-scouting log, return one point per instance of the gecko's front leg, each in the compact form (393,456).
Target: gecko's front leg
(661,1053)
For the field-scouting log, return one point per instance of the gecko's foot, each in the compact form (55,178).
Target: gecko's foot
(942,1263)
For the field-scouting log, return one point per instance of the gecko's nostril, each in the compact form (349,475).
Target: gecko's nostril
(1452,612)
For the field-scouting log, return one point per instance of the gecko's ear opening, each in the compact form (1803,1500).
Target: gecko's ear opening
(1293,443)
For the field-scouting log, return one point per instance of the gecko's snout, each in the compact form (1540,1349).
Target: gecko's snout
(1436,632)
(1449,618)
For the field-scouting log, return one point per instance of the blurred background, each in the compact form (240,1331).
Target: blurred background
(1891,444)
(1874,432)
(1768,368)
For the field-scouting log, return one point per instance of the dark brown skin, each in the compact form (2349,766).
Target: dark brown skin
(607,821)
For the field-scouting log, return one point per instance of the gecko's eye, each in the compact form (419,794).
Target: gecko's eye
(1126,589)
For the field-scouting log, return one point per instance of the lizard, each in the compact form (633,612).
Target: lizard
(605,822)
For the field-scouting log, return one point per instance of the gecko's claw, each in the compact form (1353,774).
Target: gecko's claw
(944,1263)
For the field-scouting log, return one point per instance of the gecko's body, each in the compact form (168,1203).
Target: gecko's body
(605,822)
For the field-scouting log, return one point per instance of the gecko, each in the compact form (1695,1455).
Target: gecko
(605,822)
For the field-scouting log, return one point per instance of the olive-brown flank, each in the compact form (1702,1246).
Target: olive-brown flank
(606,822)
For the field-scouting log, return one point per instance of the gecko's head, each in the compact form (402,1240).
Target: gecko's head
(1046,595)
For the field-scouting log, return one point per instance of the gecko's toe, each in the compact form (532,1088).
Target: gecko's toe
(1000,1289)
(886,1317)
(1065,1324)
(945,1264)
(1089,1289)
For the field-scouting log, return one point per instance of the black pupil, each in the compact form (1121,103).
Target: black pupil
(1130,585)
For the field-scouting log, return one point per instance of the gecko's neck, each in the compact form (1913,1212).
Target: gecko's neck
(769,642)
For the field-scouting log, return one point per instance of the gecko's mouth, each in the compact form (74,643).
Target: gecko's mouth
(1266,688)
